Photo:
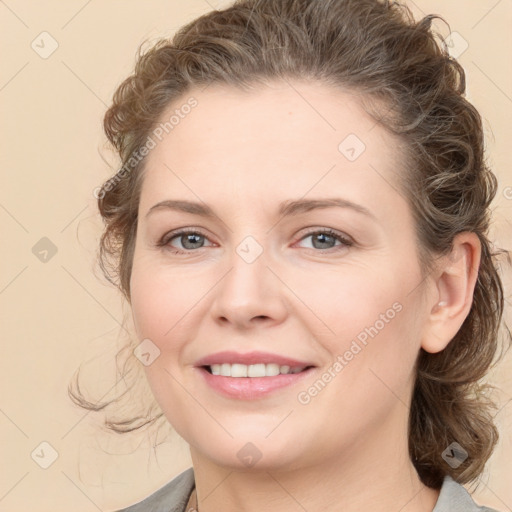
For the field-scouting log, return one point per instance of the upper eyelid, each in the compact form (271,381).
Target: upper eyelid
(344,238)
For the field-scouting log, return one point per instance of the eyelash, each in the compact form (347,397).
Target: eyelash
(164,241)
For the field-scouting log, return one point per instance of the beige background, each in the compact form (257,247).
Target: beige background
(59,313)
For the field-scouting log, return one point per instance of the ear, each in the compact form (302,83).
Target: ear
(452,295)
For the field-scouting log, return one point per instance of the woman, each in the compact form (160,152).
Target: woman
(300,228)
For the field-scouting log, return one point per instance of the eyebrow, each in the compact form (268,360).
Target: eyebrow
(286,208)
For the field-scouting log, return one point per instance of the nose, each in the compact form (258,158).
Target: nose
(250,293)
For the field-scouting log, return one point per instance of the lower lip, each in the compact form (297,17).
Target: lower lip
(251,388)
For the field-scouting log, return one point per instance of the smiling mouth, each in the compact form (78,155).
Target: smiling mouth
(253,370)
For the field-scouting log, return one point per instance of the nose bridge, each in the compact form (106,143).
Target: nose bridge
(249,289)
(248,278)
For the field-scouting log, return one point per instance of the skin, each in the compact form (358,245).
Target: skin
(243,153)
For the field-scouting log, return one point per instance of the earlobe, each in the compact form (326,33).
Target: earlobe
(452,297)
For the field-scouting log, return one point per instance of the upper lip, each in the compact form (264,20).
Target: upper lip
(250,358)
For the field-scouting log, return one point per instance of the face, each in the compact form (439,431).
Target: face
(335,287)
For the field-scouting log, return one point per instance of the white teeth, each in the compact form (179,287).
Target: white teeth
(225,369)
(252,370)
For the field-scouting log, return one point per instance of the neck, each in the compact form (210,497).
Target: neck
(372,475)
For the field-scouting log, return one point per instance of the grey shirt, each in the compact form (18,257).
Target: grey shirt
(174,496)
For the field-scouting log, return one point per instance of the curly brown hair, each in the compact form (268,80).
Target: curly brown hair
(412,87)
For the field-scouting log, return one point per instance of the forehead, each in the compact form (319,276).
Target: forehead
(284,139)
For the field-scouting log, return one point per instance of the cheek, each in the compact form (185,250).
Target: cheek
(351,304)
(157,308)
(374,334)
(377,354)
(157,302)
